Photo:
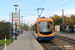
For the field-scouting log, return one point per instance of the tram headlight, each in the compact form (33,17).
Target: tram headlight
(53,35)
(39,36)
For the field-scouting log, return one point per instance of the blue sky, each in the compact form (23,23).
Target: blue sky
(29,7)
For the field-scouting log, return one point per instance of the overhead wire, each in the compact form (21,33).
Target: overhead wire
(42,3)
(62,5)
(40,6)
(28,13)
(54,4)
(59,7)
(31,12)
(50,11)
(22,11)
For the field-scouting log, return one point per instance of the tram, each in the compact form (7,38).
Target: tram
(45,29)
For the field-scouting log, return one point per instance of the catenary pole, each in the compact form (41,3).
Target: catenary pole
(19,19)
(63,19)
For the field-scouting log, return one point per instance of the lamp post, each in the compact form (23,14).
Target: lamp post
(22,24)
(63,19)
(15,21)
(22,21)
(15,7)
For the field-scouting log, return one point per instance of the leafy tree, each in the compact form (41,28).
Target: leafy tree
(33,27)
(66,19)
(57,20)
(25,26)
(72,19)
(5,29)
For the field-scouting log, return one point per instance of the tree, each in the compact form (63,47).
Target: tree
(66,19)
(57,20)
(33,27)
(5,29)
(72,19)
(25,26)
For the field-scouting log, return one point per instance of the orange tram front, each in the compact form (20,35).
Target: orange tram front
(45,29)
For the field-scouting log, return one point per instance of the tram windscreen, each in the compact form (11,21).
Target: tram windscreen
(45,27)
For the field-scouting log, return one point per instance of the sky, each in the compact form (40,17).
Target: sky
(28,8)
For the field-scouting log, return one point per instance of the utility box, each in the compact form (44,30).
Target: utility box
(57,28)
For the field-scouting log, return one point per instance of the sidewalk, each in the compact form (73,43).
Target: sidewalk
(24,42)
(1,47)
(72,36)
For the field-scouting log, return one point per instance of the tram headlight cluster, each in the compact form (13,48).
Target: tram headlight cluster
(53,35)
(39,35)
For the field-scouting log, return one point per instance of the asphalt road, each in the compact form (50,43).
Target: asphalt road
(1,47)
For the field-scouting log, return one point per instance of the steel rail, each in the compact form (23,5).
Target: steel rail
(45,46)
(65,39)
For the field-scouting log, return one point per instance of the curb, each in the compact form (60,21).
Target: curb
(37,42)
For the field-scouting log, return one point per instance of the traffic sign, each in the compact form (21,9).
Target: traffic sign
(15,19)
(15,16)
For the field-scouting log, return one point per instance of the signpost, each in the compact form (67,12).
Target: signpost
(15,16)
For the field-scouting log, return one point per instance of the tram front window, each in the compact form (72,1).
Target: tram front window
(45,27)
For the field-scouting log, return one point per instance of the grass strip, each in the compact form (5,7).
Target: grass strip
(8,41)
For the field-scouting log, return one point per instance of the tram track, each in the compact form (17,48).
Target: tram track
(58,44)
(49,45)
(72,41)
(46,48)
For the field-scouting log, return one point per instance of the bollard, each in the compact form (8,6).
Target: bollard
(5,41)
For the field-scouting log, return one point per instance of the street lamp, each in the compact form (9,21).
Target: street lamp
(22,24)
(63,19)
(22,20)
(16,5)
